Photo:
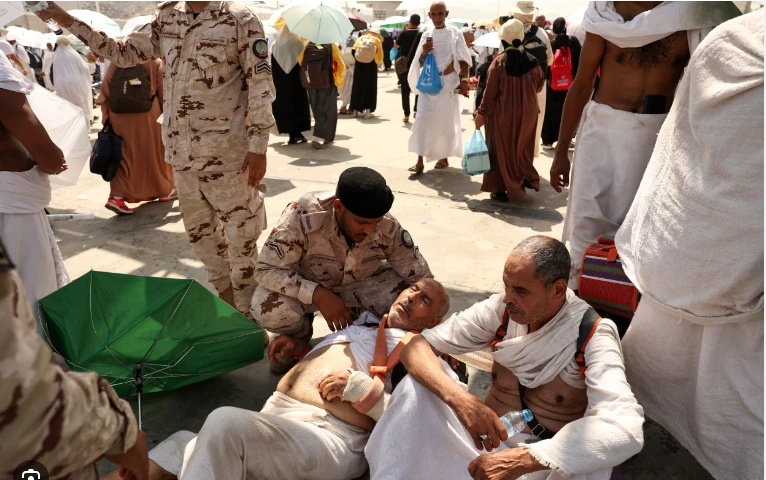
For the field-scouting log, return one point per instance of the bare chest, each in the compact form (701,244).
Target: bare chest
(554,404)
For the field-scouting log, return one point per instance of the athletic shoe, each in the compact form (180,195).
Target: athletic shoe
(118,206)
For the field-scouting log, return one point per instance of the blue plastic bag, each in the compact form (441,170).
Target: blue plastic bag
(394,53)
(429,80)
(476,155)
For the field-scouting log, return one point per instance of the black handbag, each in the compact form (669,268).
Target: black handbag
(106,155)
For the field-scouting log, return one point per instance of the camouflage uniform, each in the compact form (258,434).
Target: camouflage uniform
(217,107)
(307,248)
(64,420)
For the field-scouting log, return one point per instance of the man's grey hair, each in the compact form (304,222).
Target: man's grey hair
(442,312)
(552,260)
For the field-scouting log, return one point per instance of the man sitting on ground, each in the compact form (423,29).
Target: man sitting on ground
(597,421)
(340,254)
(305,430)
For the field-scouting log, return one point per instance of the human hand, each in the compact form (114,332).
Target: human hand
(479,121)
(57,13)
(506,465)
(134,464)
(451,361)
(332,308)
(286,345)
(560,170)
(464,88)
(483,425)
(333,384)
(255,166)
(62,168)
(428,47)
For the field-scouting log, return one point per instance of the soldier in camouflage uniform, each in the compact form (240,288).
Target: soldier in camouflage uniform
(217,113)
(341,254)
(63,420)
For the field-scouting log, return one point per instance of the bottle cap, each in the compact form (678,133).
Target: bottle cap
(527,414)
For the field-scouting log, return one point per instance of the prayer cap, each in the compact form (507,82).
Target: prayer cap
(512,30)
(364,192)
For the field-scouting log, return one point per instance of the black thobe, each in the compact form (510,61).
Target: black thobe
(364,92)
(291,106)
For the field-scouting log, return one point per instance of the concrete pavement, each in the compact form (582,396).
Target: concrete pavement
(462,233)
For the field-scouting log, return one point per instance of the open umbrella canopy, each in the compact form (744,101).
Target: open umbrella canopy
(317,22)
(148,334)
(10,11)
(358,22)
(98,21)
(396,21)
(135,23)
(68,129)
(491,40)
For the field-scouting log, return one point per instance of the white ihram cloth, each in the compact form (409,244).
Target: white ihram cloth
(24,228)
(287,440)
(542,94)
(693,245)
(348,85)
(696,18)
(72,77)
(47,63)
(613,148)
(609,433)
(436,133)
(23,57)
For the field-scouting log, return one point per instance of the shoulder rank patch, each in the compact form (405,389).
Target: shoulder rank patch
(407,239)
(261,48)
(277,249)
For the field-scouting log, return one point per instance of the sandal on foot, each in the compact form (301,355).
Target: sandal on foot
(440,166)
(500,197)
(414,169)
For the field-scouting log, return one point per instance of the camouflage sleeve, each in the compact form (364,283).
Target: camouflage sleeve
(281,253)
(254,58)
(405,256)
(137,48)
(64,420)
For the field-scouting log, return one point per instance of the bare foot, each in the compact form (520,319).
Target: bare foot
(416,169)
(443,163)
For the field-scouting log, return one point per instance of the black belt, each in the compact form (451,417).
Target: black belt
(537,428)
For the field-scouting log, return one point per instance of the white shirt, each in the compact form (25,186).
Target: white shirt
(11,79)
(6,47)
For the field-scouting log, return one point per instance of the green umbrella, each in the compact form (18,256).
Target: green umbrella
(147,334)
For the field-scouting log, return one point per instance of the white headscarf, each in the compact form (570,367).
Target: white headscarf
(287,49)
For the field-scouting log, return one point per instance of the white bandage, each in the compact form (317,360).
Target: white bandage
(358,385)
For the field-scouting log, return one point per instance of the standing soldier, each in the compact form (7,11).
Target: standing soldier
(341,254)
(217,113)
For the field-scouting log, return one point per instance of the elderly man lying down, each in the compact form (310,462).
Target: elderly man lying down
(316,425)
(589,420)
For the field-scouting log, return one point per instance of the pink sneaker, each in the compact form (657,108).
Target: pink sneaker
(118,206)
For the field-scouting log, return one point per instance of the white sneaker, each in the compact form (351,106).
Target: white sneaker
(367,114)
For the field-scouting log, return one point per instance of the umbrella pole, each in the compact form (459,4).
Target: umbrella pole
(139,389)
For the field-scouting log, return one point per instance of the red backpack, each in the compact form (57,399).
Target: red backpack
(561,69)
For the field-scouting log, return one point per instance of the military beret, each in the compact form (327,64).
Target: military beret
(364,192)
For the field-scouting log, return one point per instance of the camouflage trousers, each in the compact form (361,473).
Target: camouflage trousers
(279,313)
(223,217)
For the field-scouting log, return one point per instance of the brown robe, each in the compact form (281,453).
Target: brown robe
(143,173)
(510,107)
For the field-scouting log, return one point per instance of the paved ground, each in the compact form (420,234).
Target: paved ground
(464,235)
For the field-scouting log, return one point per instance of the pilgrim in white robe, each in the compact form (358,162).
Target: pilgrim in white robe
(692,243)
(71,75)
(436,133)
(613,146)
(609,433)
(47,63)
(287,439)
(24,228)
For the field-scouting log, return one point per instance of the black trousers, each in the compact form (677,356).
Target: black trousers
(405,93)
(554,107)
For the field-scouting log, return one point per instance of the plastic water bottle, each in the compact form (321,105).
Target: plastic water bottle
(516,422)
(35,7)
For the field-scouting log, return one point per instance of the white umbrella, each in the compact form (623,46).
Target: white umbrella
(10,11)
(135,23)
(491,40)
(31,38)
(67,127)
(98,21)
(317,22)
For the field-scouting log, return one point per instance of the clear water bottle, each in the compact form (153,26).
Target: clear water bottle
(35,7)
(516,422)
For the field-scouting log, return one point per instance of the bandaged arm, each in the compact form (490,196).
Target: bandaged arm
(366,394)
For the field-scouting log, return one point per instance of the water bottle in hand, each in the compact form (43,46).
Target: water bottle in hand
(516,422)
(35,7)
